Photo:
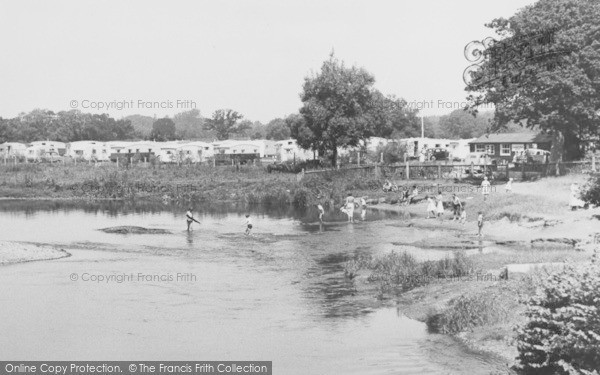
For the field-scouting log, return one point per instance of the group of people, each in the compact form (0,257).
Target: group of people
(351,203)
(435,206)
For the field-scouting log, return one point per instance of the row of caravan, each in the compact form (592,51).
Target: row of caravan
(166,152)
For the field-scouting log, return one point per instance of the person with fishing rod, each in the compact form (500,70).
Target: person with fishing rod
(190,218)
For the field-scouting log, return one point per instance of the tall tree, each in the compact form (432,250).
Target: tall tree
(224,122)
(336,102)
(163,129)
(545,70)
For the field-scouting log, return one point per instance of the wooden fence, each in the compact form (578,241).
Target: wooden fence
(433,171)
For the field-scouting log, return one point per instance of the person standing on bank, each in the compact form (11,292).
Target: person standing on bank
(456,207)
(480,224)
(430,207)
(189,216)
(508,187)
(485,188)
(440,205)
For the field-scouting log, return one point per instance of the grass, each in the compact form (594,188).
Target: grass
(398,272)
(179,183)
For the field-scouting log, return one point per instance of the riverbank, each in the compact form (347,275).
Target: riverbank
(527,234)
(15,252)
(158,183)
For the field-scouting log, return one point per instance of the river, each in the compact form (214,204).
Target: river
(212,294)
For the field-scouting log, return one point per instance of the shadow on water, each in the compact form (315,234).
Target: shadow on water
(334,292)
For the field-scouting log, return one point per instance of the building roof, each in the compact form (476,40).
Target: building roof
(513,138)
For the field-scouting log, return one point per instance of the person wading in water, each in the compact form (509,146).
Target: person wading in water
(190,219)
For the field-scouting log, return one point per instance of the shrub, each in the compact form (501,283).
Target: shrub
(301,198)
(591,192)
(562,332)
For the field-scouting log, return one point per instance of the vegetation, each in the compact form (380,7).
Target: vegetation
(64,126)
(341,108)
(562,332)
(469,311)
(591,192)
(401,271)
(183,183)
(224,122)
(163,130)
(545,71)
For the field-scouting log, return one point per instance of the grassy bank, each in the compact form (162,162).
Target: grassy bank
(166,182)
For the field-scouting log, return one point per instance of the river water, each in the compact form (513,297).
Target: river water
(212,294)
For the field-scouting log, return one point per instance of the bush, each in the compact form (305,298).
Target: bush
(392,153)
(562,332)
(591,192)
(301,198)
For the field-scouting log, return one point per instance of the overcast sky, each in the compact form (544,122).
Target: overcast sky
(248,55)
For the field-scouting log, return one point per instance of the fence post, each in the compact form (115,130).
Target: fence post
(507,171)
(407,165)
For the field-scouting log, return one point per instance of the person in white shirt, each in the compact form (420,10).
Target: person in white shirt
(190,219)
(248,224)
(485,188)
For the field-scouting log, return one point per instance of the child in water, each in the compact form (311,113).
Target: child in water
(248,224)
(321,212)
(480,223)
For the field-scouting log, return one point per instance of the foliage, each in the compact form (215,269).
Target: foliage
(402,271)
(277,130)
(591,192)
(467,312)
(224,122)
(391,117)
(335,102)
(393,152)
(562,332)
(64,126)
(461,124)
(163,129)
(552,82)
(190,125)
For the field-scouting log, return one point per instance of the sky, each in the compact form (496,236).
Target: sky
(159,58)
